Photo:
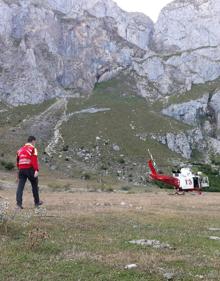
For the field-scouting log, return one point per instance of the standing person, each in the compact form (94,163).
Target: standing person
(28,168)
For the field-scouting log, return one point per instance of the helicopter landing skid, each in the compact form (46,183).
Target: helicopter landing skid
(177,192)
(183,192)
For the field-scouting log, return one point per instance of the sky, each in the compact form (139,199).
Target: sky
(150,8)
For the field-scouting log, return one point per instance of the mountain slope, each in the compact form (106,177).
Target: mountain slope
(109,132)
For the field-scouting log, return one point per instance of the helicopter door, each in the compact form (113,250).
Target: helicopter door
(186,183)
(196,182)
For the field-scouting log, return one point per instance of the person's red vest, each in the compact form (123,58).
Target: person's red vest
(27,157)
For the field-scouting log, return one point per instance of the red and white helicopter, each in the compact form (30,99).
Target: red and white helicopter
(182,180)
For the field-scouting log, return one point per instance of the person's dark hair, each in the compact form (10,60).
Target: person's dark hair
(31,138)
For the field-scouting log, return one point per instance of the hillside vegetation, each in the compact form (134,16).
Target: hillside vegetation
(105,134)
(115,137)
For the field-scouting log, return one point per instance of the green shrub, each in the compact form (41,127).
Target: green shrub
(65,148)
(103,167)
(7,165)
(213,175)
(214,183)
(109,189)
(121,161)
(125,188)
(86,176)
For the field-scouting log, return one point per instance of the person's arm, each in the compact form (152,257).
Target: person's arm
(34,161)
(17,161)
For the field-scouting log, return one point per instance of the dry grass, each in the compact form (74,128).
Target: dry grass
(94,229)
(159,203)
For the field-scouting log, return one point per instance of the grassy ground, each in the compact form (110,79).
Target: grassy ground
(85,236)
(129,116)
(12,116)
(12,130)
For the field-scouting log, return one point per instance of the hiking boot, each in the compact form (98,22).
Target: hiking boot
(39,204)
(20,206)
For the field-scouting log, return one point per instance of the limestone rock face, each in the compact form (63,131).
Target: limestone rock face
(214,145)
(203,113)
(215,105)
(184,143)
(134,27)
(164,77)
(187,36)
(185,25)
(59,47)
(188,112)
(45,53)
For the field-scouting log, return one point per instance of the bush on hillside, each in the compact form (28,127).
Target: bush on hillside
(213,175)
(7,165)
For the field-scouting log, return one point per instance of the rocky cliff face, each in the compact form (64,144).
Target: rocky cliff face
(134,27)
(55,47)
(186,40)
(50,49)
(62,48)
(188,25)
(203,114)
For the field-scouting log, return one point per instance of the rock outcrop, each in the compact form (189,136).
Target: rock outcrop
(189,112)
(203,113)
(214,106)
(187,35)
(185,25)
(183,143)
(136,28)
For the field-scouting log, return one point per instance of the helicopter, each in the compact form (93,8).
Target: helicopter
(182,180)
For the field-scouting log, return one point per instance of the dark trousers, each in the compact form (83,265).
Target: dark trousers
(23,175)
